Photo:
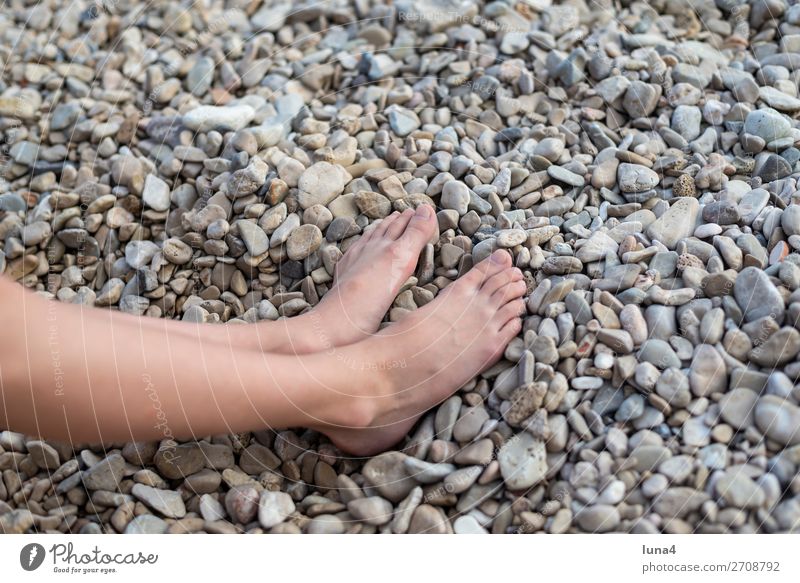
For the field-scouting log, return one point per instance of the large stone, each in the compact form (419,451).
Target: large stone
(634,178)
(320,184)
(767,124)
(227,118)
(388,475)
(105,474)
(166,502)
(778,419)
(676,223)
(757,296)
(523,461)
(707,373)
(274,508)
(737,406)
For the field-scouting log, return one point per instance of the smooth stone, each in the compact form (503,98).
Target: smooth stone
(598,518)
(373,510)
(523,461)
(634,178)
(274,508)
(778,419)
(675,224)
(756,295)
(166,502)
(156,193)
(205,118)
(254,237)
(146,524)
(767,124)
(320,184)
(707,373)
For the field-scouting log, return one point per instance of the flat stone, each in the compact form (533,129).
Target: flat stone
(146,524)
(636,178)
(778,419)
(767,124)
(205,118)
(737,407)
(320,184)
(105,474)
(254,237)
(523,461)
(165,502)
(756,295)
(156,193)
(707,373)
(675,224)
(371,510)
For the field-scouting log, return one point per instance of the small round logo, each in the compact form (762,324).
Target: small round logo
(31,556)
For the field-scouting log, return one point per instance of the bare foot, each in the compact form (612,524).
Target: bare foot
(368,278)
(431,353)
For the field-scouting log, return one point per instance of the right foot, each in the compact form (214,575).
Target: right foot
(431,353)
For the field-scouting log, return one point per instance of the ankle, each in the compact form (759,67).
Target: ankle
(369,383)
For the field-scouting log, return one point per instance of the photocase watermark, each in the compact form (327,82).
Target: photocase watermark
(161,417)
(31,556)
(65,559)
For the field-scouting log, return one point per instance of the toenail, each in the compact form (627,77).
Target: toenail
(497,256)
(424,211)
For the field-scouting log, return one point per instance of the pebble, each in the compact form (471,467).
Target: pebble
(254,237)
(165,502)
(523,462)
(652,388)
(756,295)
(156,193)
(206,118)
(675,224)
(146,524)
(320,184)
(778,419)
(634,178)
(373,510)
(274,508)
(767,124)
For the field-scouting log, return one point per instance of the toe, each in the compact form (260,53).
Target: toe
(510,329)
(497,281)
(420,228)
(399,225)
(495,263)
(509,292)
(512,310)
(380,230)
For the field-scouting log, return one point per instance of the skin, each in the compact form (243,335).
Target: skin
(104,376)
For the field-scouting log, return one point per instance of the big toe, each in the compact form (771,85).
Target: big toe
(420,228)
(492,265)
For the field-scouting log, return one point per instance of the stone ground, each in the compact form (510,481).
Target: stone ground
(209,160)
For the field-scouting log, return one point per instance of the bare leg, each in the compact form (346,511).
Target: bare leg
(368,278)
(87,375)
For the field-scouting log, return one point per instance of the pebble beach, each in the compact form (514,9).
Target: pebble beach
(211,161)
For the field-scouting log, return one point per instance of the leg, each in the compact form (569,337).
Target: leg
(86,375)
(119,381)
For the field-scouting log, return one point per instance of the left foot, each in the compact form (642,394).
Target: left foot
(367,280)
